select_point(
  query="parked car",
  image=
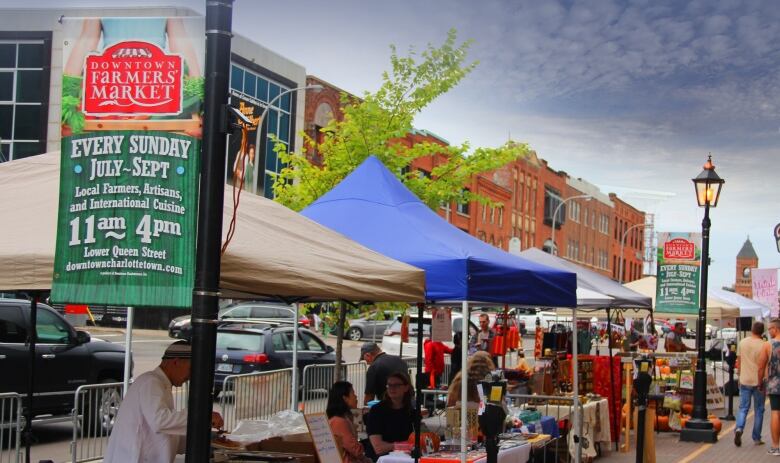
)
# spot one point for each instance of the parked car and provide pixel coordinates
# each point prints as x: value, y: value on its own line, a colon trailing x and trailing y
x: 181, y: 327
x: 371, y: 326
x: 65, y: 359
x: 250, y: 347
x: 391, y: 341
x: 727, y: 334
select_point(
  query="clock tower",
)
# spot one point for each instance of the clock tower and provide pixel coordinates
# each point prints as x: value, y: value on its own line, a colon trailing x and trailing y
x: 746, y: 259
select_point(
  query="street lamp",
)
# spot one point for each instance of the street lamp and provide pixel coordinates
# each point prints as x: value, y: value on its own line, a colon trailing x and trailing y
x: 622, y: 246
x: 699, y: 428
x: 554, y: 248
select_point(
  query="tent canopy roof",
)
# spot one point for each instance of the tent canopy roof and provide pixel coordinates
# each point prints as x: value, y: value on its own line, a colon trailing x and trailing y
x: 588, y: 279
x: 716, y: 308
x: 747, y: 307
x: 275, y: 252
x: 374, y: 208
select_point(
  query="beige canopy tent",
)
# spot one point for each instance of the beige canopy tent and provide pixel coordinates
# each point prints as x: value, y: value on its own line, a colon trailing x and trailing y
x: 274, y: 252
x: 716, y: 308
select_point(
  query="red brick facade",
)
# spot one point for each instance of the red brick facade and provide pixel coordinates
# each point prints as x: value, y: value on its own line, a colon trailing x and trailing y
x: 626, y: 217
x: 523, y: 196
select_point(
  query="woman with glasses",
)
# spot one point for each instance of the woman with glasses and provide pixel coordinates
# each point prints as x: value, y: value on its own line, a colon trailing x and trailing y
x: 341, y: 401
x: 391, y: 420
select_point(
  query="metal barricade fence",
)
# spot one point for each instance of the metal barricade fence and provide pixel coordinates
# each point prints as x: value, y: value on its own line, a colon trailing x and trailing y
x: 560, y: 408
x: 10, y: 427
x: 317, y: 380
x: 257, y: 395
x: 94, y: 410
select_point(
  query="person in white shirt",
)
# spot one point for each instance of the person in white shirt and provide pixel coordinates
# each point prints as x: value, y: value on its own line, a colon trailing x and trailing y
x: 147, y: 427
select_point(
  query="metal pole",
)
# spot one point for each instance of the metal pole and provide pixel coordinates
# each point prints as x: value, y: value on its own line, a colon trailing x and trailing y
x: 128, y: 349
x: 622, y: 246
x: 699, y: 428
x: 419, y: 381
x: 553, y: 251
x: 464, y: 354
x: 32, y: 337
x: 205, y: 299
x: 294, y: 386
x: 577, y: 422
x: 612, y: 412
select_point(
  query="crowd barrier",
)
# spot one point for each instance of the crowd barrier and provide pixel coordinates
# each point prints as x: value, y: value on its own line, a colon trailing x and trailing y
x: 94, y: 411
x: 317, y: 380
x: 257, y: 395
x: 11, y: 423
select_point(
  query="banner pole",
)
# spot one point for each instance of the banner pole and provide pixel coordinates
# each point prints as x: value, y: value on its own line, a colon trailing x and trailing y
x: 128, y: 349
x: 205, y: 299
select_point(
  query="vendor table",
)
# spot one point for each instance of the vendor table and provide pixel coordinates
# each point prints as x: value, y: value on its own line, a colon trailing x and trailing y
x: 595, y: 423
x: 518, y: 454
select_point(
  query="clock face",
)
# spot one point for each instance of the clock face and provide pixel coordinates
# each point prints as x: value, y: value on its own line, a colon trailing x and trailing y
x: 746, y: 272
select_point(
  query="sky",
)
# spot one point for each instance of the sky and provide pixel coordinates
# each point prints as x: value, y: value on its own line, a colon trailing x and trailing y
x: 628, y: 95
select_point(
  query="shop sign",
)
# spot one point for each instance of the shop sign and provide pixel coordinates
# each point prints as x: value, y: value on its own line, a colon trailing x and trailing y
x: 130, y: 158
x: 679, y: 269
x: 764, y: 282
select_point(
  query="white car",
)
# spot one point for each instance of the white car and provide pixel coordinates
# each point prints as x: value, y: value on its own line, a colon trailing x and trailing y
x: 391, y: 341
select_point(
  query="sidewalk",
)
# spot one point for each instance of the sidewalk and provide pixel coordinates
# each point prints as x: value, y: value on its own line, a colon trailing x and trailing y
x: 669, y: 449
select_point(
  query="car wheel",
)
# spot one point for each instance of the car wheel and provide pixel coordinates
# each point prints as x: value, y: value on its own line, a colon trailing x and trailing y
x: 99, y: 409
x: 354, y: 334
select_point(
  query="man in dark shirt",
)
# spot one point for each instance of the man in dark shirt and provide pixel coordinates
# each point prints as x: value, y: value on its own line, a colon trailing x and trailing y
x: 380, y: 366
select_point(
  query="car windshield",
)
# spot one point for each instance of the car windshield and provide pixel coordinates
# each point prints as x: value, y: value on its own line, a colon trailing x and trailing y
x: 229, y: 340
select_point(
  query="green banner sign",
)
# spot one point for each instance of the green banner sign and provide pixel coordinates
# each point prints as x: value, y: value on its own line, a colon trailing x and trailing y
x: 130, y: 162
x: 679, y: 269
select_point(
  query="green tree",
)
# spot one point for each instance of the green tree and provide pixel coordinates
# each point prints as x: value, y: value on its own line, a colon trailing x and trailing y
x: 376, y: 123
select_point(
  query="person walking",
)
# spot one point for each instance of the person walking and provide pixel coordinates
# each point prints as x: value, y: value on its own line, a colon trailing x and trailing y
x: 769, y: 381
x: 380, y: 366
x: 434, y: 361
x: 748, y: 353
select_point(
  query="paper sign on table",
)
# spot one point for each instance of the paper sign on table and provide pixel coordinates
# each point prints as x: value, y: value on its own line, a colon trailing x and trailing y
x: 322, y: 437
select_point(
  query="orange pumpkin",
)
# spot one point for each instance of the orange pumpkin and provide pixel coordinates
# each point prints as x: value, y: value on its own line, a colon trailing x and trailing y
x: 684, y: 419
x: 662, y: 423
x: 716, y: 423
x: 687, y: 408
x: 666, y: 370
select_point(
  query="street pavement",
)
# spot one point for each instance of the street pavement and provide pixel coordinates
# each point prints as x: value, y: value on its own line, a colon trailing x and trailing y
x: 669, y: 449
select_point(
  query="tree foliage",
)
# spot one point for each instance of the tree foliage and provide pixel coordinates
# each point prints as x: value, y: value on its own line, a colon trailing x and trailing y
x: 376, y: 124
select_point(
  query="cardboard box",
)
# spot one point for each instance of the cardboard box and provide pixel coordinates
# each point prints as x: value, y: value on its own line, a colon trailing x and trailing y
x: 293, y: 443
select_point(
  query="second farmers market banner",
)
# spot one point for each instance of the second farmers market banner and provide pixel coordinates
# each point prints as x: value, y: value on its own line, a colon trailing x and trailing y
x: 132, y: 98
x: 679, y: 269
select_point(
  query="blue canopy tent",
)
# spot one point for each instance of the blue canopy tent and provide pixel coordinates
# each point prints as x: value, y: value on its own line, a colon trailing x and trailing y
x: 372, y: 207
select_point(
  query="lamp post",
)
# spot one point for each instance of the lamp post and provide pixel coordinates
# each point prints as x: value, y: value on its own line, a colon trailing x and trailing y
x: 555, y: 215
x: 622, y: 247
x: 699, y: 428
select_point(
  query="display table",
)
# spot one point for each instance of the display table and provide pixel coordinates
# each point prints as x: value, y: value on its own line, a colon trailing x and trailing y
x: 517, y: 454
x: 595, y: 423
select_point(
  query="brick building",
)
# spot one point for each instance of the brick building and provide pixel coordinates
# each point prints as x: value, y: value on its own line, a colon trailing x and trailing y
x: 587, y: 226
x: 746, y: 260
x: 628, y: 223
x: 552, y: 192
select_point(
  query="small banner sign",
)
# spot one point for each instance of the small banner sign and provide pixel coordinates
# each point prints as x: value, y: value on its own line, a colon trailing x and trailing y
x: 765, y: 288
x: 131, y: 129
x: 679, y: 269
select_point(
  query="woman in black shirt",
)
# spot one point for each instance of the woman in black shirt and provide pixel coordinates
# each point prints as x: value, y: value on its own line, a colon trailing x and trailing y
x: 391, y: 420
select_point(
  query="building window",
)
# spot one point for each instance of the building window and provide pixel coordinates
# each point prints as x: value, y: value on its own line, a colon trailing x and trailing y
x: 484, y: 213
x: 258, y: 90
x: 500, y: 216
x: 492, y: 214
x: 463, y: 208
x: 25, y: 59
x: 574, y: 211
x: 552, y: 200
